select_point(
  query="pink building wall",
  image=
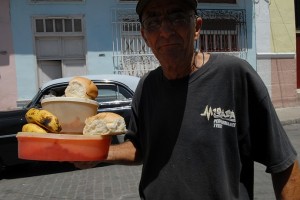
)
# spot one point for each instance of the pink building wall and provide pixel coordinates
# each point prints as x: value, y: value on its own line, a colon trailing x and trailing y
x: 8, y: 82
x: 284, y: 87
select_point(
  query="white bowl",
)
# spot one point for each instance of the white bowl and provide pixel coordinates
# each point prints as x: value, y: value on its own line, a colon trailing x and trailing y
x: 71, y: 112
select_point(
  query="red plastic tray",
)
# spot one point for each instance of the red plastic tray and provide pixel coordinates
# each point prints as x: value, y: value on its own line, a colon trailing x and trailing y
x: 62, y: 147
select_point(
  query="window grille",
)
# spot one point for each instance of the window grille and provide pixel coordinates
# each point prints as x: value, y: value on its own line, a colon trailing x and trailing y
x: 223, y: 31
x: 131, y: 55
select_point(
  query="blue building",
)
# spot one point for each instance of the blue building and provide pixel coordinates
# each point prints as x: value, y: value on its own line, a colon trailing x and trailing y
x: 60, y: 38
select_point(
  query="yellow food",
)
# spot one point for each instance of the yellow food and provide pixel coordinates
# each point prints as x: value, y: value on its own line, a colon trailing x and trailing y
x: 34, y: 128
x: 43, y: 118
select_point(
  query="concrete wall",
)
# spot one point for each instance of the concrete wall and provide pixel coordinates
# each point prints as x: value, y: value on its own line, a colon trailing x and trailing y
x: 263, y: 42
x: 283, y: 41
x: 284, y: 90
x: 283, y: 31
x: 8, y: 85
x: 276, y: 63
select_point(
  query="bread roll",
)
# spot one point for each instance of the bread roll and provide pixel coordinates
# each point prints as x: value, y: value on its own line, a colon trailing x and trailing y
x: 106, y: 123
x: 81, y: 87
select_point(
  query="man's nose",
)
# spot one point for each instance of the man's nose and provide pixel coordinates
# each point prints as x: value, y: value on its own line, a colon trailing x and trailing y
x: 166, y: 27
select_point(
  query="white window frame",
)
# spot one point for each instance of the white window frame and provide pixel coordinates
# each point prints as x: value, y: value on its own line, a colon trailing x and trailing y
x: 72, y: 33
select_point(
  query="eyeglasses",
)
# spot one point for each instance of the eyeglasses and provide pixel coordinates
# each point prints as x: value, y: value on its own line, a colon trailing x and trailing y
x: 177, y: 19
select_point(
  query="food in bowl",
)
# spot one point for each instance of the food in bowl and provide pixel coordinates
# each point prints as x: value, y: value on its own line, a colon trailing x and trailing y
x: 39, y: 119
x: 71, y: 112
x: 81, y: 87
x: 77, y: 104
x: 106, y: 123
x: 33, y: 128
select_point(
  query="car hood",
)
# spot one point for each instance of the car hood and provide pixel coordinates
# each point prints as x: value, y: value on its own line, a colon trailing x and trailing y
x: 10, y: 113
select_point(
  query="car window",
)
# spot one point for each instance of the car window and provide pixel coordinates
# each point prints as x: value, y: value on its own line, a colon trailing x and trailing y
x: 111, y: 92
x: 106, y: 93
x: 55, y: 91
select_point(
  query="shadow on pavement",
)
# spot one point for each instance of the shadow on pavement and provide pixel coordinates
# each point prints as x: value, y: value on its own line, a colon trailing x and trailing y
x: 37, y: 168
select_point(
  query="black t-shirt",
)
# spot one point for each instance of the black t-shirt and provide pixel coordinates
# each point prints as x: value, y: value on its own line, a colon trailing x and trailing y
x: 199, y: 135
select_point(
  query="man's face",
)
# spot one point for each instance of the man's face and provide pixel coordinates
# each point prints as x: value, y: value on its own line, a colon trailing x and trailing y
x: 170, y: 29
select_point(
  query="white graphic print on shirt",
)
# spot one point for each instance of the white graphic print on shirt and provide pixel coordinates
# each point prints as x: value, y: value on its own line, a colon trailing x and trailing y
x: 220, y: 116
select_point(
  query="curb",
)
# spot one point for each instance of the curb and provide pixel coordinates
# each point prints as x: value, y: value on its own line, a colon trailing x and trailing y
x: 291, y: 121
x: 289, y: 115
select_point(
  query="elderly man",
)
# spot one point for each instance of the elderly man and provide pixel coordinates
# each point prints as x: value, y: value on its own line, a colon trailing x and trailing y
x: 201, y: 120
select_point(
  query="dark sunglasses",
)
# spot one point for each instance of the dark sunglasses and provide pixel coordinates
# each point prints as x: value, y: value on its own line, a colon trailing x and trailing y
x: 177, y: 19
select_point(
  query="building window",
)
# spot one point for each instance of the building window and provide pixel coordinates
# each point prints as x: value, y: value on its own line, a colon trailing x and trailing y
x: 58, y: 25
x: 223, y: 31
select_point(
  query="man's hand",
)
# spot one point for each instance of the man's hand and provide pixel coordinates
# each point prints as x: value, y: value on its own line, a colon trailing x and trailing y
x: 287, y: 183
x: 124, y: 153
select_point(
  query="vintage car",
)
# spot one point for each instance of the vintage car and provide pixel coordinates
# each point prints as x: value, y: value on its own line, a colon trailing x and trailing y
x: 114, y: 95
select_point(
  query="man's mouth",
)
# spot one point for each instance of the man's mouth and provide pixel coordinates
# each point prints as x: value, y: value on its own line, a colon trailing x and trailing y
x: 168, y: 45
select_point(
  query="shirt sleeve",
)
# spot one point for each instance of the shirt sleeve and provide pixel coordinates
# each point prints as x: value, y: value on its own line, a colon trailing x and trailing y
x: 268, y: 142
x: 271, y: 145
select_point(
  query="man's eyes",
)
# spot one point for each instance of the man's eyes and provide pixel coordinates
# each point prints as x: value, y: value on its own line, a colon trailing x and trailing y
x: 153, y: 21
x: 177, y: 16
x: 173, y: 16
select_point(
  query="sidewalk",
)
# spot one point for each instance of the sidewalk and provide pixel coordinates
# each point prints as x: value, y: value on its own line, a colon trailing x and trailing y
x: 289, y: 115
